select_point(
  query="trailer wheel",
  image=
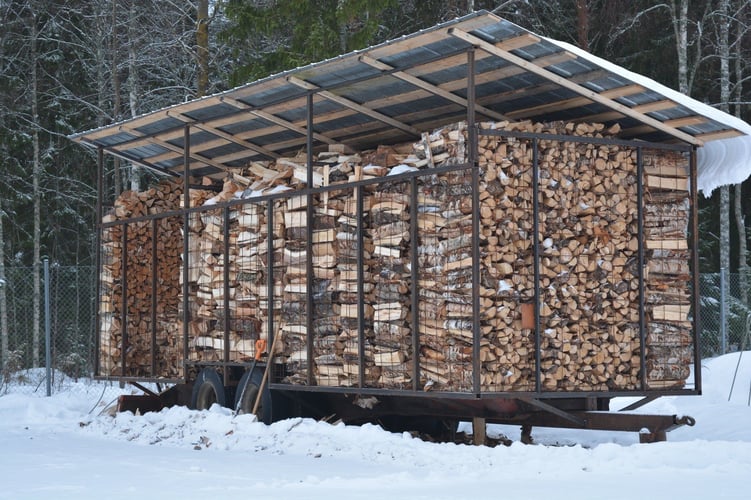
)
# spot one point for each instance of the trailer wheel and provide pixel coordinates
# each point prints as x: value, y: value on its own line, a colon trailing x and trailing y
x: 207, y: 390
x: 247, y: 392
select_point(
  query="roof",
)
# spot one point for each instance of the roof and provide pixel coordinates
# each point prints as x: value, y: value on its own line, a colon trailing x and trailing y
x: 394, y: 91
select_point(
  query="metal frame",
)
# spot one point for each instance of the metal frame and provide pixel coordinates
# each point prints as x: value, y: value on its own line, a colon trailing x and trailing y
x: 411, y: 178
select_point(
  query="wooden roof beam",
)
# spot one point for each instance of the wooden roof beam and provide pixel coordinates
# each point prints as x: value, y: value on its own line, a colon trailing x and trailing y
x: 178, y: 149
x: 353, y: 105
x: 227, y: 137
x: 417, y: 82
x: 278, y: 121
x: 563, y: 82
x: 575, y: 102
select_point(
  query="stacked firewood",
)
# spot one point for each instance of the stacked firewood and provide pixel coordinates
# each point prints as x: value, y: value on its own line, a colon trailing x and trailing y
x: 134, y: 328
x: 586, y: 270
x: 392, y: 344
x: 669, y: 350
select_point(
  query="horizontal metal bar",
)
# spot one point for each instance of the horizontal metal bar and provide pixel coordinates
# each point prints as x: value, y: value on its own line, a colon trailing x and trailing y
x: 469, y: 395
x: 292, y: 194
x: 585, y: 140
x: 555, y: 411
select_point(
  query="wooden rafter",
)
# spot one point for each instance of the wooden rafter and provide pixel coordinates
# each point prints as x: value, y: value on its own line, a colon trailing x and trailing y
x: 563, y: 82
x: 418, y: 82
x: 353, y: 105
x: 227, y: 137
x: 278, y: 121
x: 176, y: 149
x: 575, y: 102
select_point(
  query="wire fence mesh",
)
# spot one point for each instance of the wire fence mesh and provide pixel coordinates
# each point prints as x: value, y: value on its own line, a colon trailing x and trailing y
x: 725, y: 321
x: 71, y: 326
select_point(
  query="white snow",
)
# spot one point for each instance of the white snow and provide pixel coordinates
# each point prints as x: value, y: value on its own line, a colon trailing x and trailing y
x: 719, y: 161
x: 64, y: 447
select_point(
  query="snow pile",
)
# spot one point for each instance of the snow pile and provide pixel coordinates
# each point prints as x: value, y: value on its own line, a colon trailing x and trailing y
x: 67, y: 447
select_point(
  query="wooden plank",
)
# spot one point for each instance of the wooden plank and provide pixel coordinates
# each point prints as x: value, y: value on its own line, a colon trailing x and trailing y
x: 681, y: 244
x: 563, y: 82
x: 671, y: 183
x: 686, y: 121
x: 722, y: 134
x: 278, y: 121
x: 660, y: 105
x: 417, y: 82
x: 353, y: 105
x: 671, y: 312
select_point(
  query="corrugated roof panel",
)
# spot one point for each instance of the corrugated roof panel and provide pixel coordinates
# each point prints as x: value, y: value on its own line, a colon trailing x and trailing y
x: 114, y: 139
x: 266, y: 95
x: 300, y: 113
x: 436, y: 56
x: 159, y: 125
x: 211, y: 112
x: 146, y: 151
x: 222, y: 150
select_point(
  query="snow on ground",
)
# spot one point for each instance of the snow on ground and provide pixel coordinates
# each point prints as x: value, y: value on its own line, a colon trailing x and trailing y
x: 67, y: 447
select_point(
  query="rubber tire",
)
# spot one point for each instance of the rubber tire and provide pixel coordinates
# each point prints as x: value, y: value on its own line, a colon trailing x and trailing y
x: 207, y: 390
x: 245, y: 398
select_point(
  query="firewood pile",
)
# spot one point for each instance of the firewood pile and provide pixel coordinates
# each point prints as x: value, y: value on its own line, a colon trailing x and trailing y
x: 587, y: 274
x: 142, y: 239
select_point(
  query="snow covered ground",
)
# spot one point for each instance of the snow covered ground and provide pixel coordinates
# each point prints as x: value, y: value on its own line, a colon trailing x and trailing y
x: 65, y: 447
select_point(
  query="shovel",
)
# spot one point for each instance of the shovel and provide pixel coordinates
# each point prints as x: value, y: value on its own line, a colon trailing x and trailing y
x: 260, y: 347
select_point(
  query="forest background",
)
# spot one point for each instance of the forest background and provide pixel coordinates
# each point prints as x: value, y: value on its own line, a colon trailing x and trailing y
x: 68, y: 66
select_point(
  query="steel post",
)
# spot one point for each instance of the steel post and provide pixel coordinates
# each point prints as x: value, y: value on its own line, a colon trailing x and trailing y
x: 47, y: 330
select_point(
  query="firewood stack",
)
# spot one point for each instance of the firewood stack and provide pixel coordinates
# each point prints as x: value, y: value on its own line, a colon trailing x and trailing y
x: 588, y: 267
x: 392, y: 345
x: 140, y: 265
x: 347, y: 251
x: 667, y: 275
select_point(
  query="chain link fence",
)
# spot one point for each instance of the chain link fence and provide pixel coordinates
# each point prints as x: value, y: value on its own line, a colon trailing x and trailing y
x: 725, y: 322
x: 725, y: 313
x: 68, y: 294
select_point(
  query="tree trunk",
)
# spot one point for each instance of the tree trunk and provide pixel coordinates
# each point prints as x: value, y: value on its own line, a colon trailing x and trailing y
x: 116, y: 89
x: 582, y: 24
x: 133, y: 82
x: 202, y: 49
x: 740, y: 221
x: 680, y: 26
x: 36, y: 174
x: 724, y: 53
x: 3, y: 298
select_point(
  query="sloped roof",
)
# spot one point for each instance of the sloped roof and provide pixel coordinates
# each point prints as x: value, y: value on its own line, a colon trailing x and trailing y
x: 392, y: 92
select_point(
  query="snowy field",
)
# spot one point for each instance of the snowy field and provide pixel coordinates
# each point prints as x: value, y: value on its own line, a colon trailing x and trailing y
x: 67, y: 447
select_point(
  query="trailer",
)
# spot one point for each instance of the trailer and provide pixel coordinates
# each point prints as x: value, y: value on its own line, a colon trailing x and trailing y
x: 468, y: 223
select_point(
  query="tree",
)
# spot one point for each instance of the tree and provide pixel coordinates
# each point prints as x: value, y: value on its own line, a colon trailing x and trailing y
x: 269, y: 37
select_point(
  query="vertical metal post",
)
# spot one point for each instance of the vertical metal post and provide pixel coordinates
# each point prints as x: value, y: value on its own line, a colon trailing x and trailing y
x: 47, y: 331
x: 360, y: 291
x: 309, y: 287
x: 271, y: 300
x: 695, y: 266
x: 225, y: 291
x: 641, y: 257
x: 415, y: 285
x: 536, y: 266
x: 186, y: 247
x: 154, y: 302
x: 124, y: 297
x: 98, y: 256
x: 723, y: 311
x: 475, y: 170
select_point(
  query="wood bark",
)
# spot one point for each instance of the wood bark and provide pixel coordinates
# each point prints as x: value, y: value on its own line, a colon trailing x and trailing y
x: 588, y: 266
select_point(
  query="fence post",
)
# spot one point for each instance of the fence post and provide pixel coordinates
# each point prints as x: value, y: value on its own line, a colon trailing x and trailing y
x: 723, y: 311
x: 47, y: 339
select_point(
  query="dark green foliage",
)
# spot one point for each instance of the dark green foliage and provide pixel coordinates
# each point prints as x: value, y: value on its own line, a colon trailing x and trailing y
x: 269, y: 37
